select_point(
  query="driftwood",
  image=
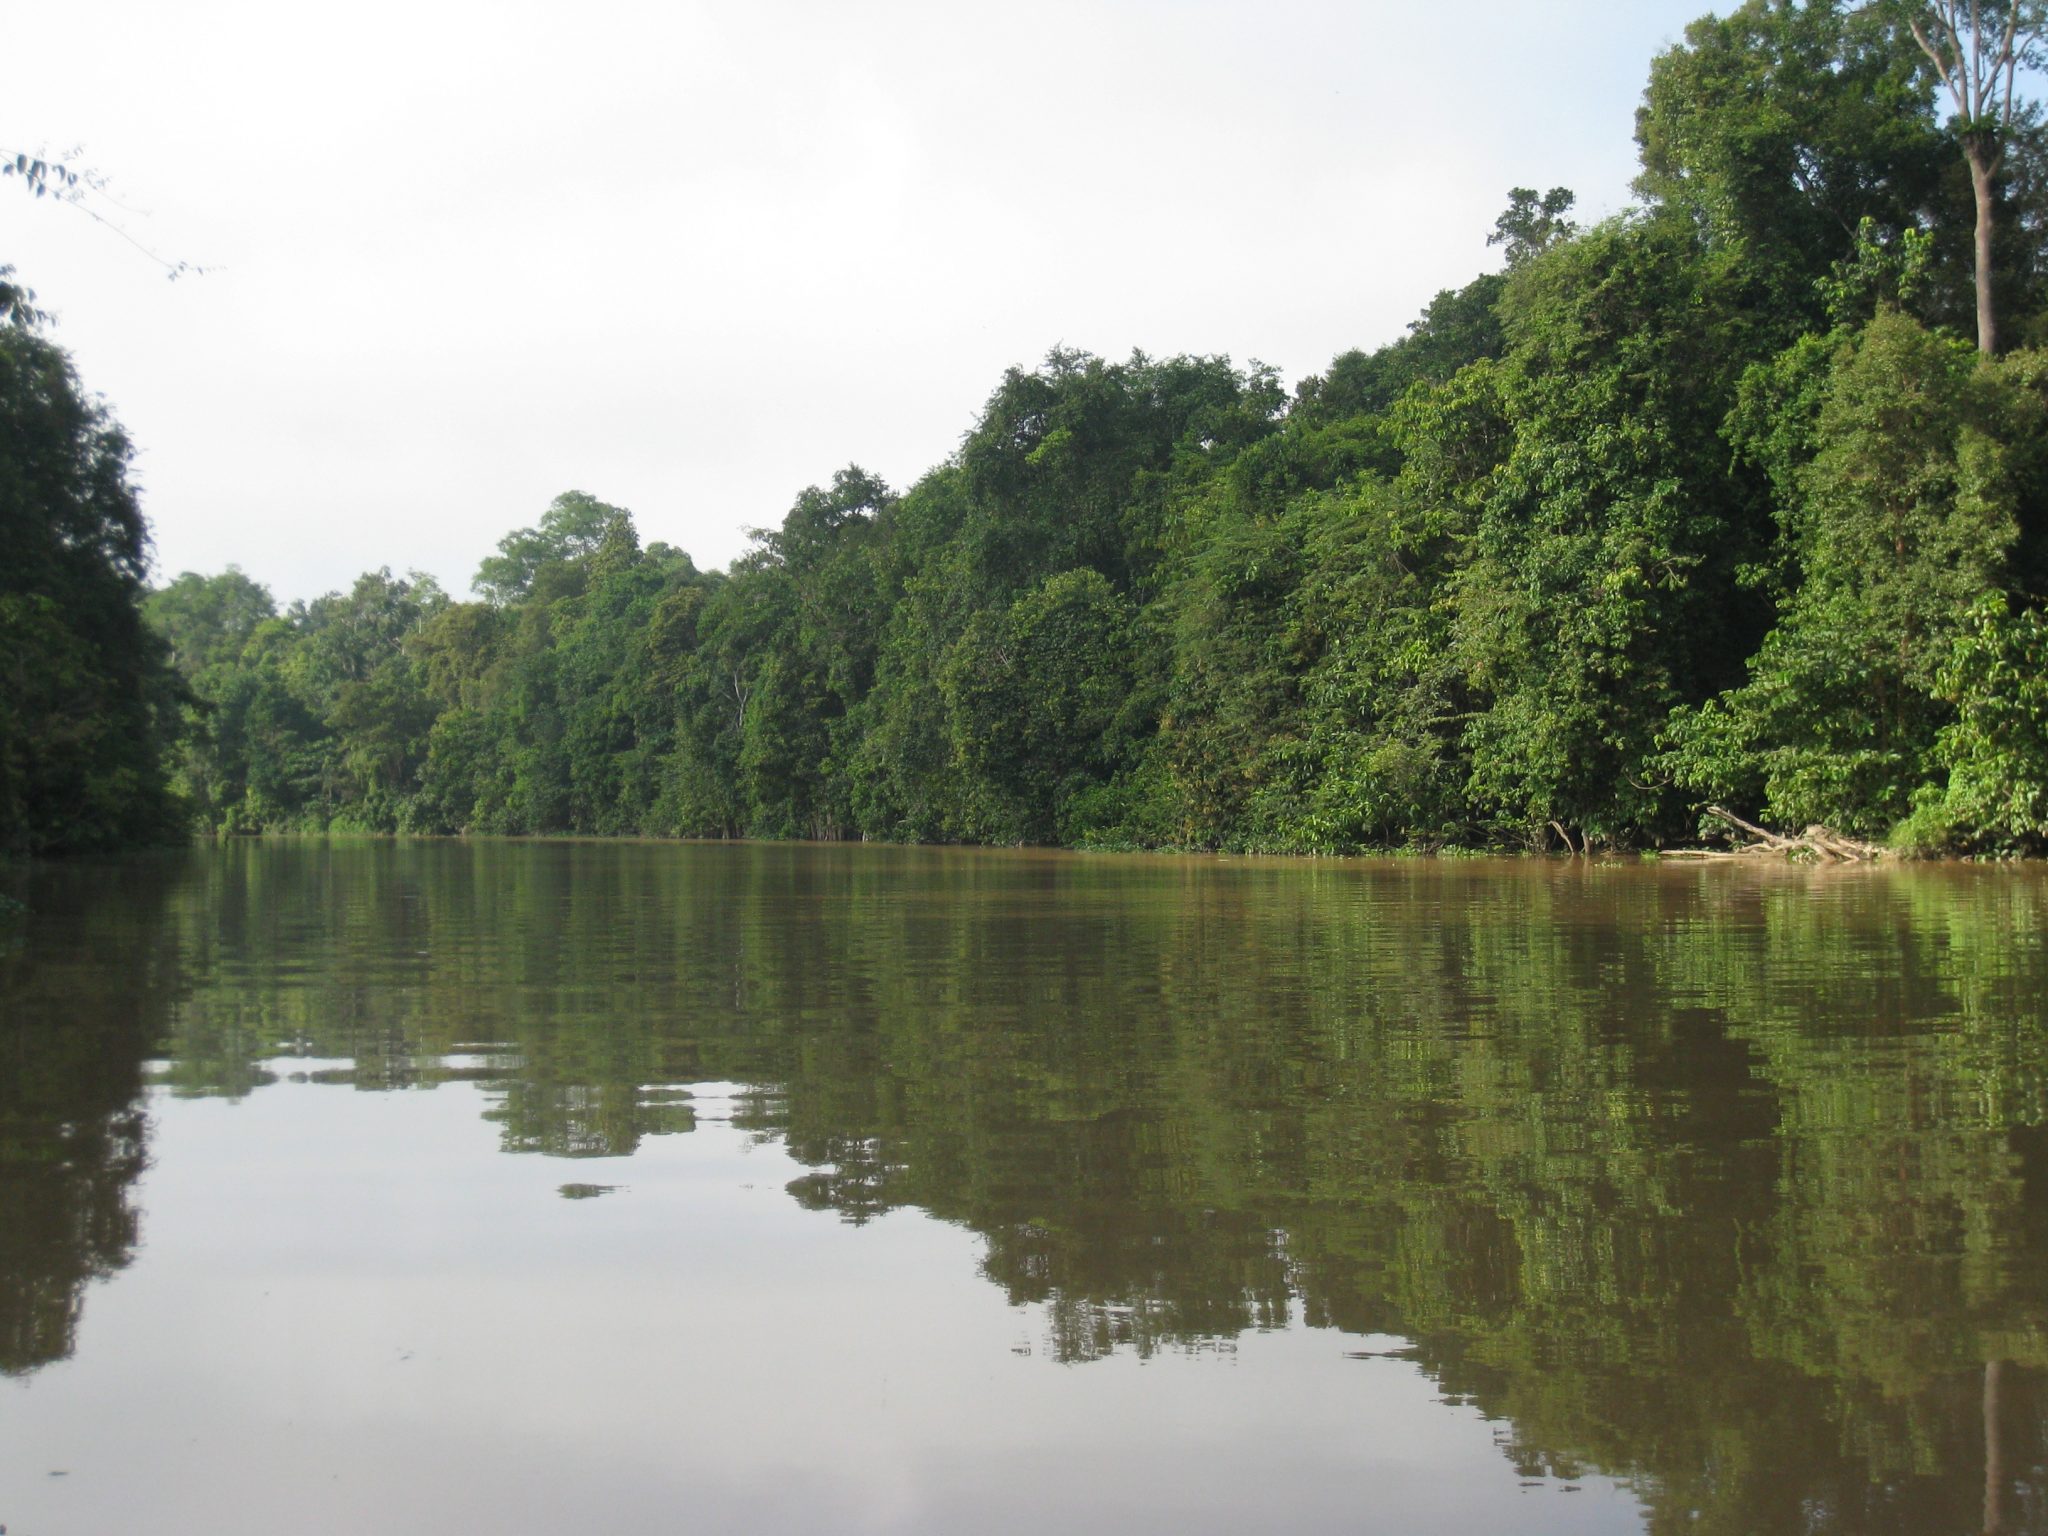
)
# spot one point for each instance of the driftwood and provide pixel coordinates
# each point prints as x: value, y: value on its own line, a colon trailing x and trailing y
x: 1816, y: 842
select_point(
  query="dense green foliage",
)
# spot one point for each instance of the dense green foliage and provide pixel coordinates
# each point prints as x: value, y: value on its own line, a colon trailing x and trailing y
x: 86, y: 702
x: 1689, y: 506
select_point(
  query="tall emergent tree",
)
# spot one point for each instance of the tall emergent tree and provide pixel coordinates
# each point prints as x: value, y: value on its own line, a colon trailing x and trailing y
x: 1977, y: 48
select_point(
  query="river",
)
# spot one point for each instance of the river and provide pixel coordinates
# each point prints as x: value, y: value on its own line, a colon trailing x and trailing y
x: 545, y: 1186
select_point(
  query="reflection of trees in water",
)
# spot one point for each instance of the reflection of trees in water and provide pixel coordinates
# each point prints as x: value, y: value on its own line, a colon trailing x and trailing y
x: 1724, y: 1183
x: 64, y: 1219
x: 84, y: 986
x: 584, y: 1120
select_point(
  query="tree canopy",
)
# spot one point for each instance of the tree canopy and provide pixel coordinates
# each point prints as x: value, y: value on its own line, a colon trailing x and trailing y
x: 87, y: 704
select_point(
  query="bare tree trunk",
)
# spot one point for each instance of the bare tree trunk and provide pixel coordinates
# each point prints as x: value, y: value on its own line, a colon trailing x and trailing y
x: 1983, y: 174
x: 1976, y: 50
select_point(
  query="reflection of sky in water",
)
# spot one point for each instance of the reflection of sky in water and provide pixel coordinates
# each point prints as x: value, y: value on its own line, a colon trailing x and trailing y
x: 351, y: 1313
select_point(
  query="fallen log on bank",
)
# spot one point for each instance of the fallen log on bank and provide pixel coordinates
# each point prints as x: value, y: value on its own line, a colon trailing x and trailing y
x: 1819, y: 843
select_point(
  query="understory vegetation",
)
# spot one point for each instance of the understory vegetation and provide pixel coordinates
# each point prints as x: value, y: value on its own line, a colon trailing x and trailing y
x: 1735, y: 498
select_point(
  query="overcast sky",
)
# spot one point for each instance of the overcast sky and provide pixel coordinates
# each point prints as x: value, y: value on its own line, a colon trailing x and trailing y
x: 694, y: 257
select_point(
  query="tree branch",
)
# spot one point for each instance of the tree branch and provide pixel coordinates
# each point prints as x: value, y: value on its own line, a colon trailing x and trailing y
x: 1940, y: 67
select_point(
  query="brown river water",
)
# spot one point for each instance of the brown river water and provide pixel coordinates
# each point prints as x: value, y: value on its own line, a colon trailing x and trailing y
x: 516, y: 1187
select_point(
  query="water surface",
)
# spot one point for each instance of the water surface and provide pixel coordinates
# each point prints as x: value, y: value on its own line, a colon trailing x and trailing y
x: 535, y: 1186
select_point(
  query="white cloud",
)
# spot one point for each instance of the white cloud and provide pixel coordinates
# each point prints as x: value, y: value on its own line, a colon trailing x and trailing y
x: 691, y: 258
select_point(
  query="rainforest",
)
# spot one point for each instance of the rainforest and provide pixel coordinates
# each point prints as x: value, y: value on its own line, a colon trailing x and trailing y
x: 1739, y: 497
